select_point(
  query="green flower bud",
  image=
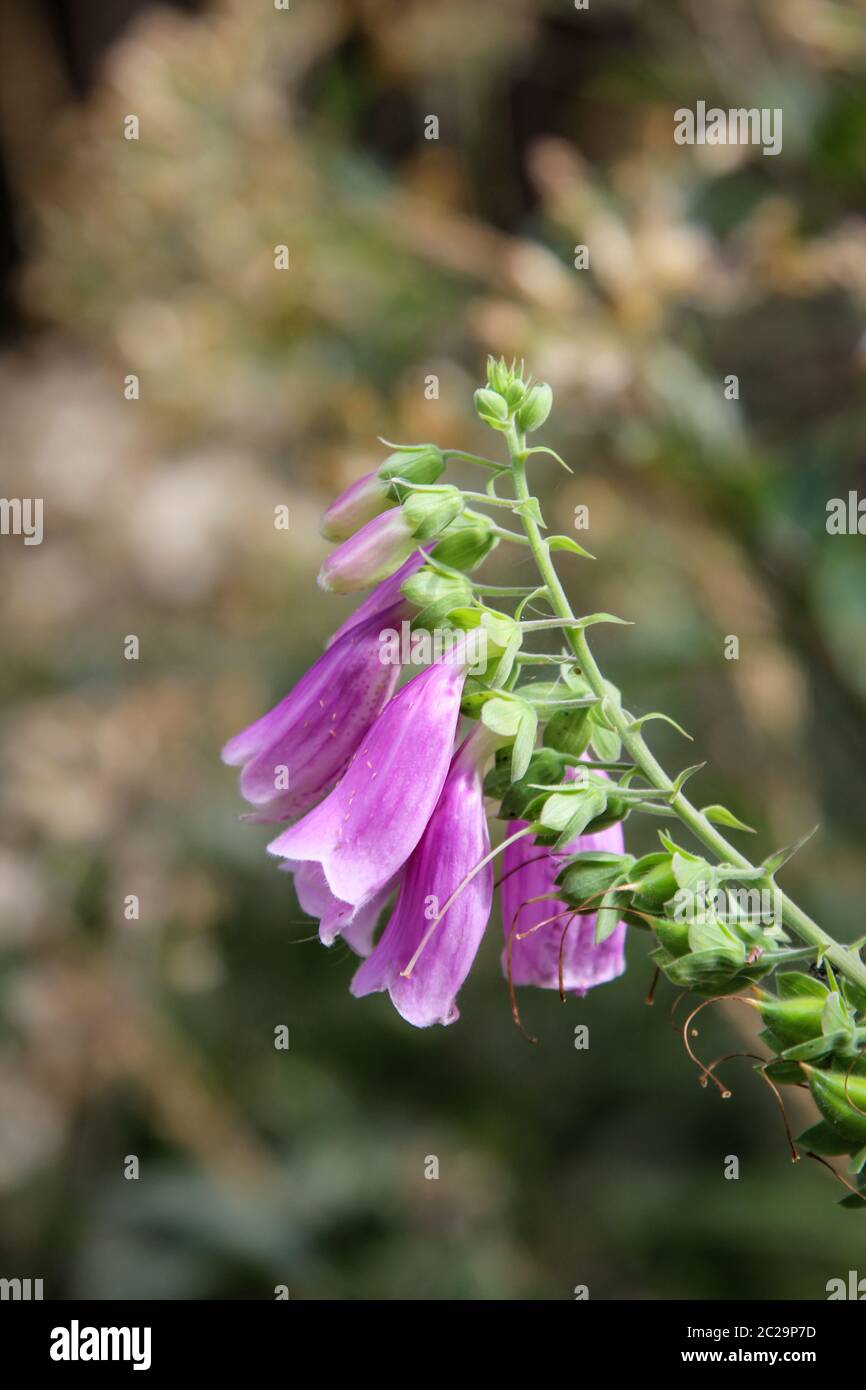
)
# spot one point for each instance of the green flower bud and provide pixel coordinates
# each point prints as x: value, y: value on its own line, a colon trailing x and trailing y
x: 514, y: 392
x: 823, y: 1138
x: 422, y: 463
x: 569, y: 731
x: 655, y: 881
x: 428, y: 513
x: 707, y: 972
x: 434, y: 594
x: 587, y: 876
x: 535, y: 407
x: 498, y: 374
x: 359, y: 503
x: 546, y: 768
x: 616, y: 809
x: 791, y: 1021
x: 673, y: 936
x: 491, y: 408
x: 466, y: 542
x: 839, y: 1101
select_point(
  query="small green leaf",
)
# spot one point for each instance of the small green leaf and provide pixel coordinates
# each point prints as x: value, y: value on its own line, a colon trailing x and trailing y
x: 566, y: 543
x: 775, y: 861
x: 531, y: 509
x: 720, y: 815
x: 824, y: 1139
x: 644, y: 718
x: 682, y: 777
x: 592, y: 618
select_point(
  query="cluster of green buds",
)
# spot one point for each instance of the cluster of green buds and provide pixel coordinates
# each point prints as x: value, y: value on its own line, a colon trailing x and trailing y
x: 508, y: 399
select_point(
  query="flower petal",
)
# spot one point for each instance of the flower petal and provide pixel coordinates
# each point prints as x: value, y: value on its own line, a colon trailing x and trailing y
x: 454, y: 842
x: 529, y: 901
x: 365, y: 830
x: 309, y: 737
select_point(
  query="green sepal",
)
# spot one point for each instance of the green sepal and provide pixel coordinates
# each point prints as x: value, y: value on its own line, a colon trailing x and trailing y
x: 415, y: 463
x: 610, y: 914
x: 466, y: 542
x: 605, y: 741
x: 503, y: 636
x: 534, y: 408
x: 492, y: 408
x: 589, y: 874
x: 816, y: 1048
x: 545, y: 767
x: 429, y: 513
x: 569, y: 812
x: 689, y: 870
x: 828, y: 1092
x: 654, y: 880
x: 855, y: 995
x: 795, y: 984
x: 507, y: 715
x: 616, y: 810
x: 435, y: 595
x: 673, y: 937
x: 783, y: 1073
x: 569, y: 731
x: 825, y: 1139
x: 714, y: 936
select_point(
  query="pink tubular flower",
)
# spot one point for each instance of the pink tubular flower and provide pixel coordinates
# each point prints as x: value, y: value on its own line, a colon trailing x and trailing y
x: 355, y: 506
x: 309, y: 737
x: 454, y: 842
x: 365, y: 830
x: 528, y: 871
x: 355, y: 926
x: 370, y: 555
x: 383, y: 597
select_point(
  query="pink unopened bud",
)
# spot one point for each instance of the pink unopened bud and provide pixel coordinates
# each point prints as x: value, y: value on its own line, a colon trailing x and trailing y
x: 359, y: 503
x: 370, y: 555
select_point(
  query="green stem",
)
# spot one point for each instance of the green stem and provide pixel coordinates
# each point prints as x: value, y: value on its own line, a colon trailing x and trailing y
x: 703, y: 829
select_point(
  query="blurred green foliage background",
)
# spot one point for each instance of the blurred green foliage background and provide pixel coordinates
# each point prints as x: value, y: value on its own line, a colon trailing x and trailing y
x: 410, y: 257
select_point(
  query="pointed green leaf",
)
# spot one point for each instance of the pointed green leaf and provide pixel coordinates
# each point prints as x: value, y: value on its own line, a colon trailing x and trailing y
x: 645, y: 718
x: 824, y: 1139
x: 720, y: 815
x: 566, y: 543
x: 775, y: 861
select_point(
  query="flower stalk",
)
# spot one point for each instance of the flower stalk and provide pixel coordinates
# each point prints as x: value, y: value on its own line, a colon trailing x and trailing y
x: 793, y: 916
